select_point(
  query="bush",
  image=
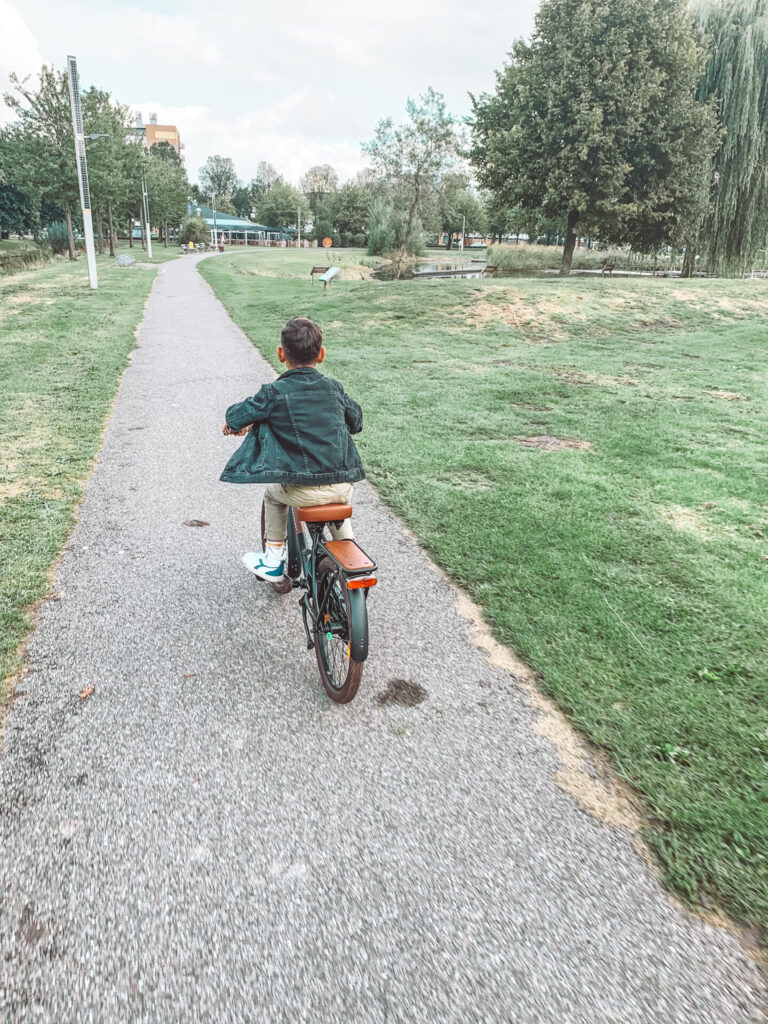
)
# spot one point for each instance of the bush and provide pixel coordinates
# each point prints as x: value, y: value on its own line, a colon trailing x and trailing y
x: 194, y: 229
x: 531, y: 259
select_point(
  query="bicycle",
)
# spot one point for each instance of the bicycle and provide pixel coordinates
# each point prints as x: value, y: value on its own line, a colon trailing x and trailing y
x: 335, y: 576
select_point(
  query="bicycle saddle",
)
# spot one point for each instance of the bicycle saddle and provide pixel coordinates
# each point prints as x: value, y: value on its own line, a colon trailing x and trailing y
x: 323, y: 513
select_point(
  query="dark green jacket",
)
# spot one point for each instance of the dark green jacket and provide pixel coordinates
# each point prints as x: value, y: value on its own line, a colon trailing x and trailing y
x: 302, y: 424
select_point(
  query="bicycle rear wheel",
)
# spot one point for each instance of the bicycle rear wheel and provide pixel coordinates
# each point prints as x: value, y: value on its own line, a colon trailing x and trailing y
x: 340, y: 629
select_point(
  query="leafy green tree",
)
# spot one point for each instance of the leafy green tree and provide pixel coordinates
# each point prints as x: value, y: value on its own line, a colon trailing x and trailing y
x: 15, y: 211
x: 168, y: 188
x: 735, y: 225
x: 241, y: 201
x: 40, y: 147
x: 279, y: 206
x: 408, y: 160
x: 318, y: 183
x: 458, y: 205
x: 344, y: 214
x: 218, y: 177
x: 194, y: 229
x: 164, y: 151
x: 595, y: 122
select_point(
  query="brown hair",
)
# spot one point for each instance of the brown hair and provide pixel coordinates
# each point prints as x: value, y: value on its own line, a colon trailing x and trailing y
x: 302, y: 340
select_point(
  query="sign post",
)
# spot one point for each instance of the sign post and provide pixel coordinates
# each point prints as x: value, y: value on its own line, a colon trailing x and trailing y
x: 82, y: 168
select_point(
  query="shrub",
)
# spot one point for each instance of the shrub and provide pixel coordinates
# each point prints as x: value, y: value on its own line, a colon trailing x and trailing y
x: 194, y: 229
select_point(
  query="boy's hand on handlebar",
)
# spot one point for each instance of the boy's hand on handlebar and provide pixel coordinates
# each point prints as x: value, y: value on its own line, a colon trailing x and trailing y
x: 235, y: 433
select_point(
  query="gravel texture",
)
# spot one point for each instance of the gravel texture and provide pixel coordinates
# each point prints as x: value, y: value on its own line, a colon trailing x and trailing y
x: 206, y: 838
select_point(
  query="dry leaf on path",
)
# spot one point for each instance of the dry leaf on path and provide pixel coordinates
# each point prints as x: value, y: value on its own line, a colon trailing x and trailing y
x: 86, y: 692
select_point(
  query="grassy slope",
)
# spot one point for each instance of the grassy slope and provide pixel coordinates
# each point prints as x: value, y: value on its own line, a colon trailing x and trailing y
x: 62, y: 350
x: 632, y: 576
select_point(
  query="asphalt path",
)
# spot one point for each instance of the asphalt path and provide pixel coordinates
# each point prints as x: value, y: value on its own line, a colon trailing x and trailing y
x: 206, y: 838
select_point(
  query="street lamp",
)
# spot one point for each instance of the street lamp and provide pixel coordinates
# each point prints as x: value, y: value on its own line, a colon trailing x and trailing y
x: 213, y: 207
x: 82, y: 168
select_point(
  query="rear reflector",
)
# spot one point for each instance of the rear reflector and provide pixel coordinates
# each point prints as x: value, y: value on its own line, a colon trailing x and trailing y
x: 366, y: 581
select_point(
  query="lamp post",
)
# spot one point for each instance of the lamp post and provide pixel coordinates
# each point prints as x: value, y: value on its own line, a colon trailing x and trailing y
x: 145, y: 200
x: 82, y: 168
x: 213, y: 207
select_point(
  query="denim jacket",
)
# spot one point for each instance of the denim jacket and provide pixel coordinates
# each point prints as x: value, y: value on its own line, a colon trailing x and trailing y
x: 300, y: 434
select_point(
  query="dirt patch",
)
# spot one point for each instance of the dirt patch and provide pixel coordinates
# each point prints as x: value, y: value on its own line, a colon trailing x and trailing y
x: 574, y: 376
x: 547, y: 443
x: 584, y: 775
x: 11, y: 491
x: 513, y: 312
x: 728, y: 396
x: 402, y: 692
x: 687, y: 520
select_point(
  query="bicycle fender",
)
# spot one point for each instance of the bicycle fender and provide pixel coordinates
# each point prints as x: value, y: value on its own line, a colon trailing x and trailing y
x: 358, y: 615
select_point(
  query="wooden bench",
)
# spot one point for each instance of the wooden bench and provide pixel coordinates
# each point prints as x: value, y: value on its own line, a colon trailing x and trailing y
x: 490, y: 268
x: 608, y: 268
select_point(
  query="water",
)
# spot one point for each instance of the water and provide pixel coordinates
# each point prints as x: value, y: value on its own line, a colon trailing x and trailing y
x: 430, y: 269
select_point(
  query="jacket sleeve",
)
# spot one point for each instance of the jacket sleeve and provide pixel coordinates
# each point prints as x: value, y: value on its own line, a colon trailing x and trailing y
x: 252, y: 410
x: 353, y: 415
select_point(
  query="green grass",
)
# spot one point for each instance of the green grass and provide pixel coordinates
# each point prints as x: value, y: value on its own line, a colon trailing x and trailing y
x: 62, y: 350
x: 632, y: 575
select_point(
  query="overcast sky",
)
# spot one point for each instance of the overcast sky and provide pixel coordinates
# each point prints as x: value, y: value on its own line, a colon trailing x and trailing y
x: 295, y: 83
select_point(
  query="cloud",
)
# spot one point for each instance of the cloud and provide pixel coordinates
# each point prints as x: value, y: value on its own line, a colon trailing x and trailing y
x: 295, y: 84
x: 19, y: 52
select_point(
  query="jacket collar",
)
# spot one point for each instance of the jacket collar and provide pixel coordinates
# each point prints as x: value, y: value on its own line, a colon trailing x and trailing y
x: 301, y: 371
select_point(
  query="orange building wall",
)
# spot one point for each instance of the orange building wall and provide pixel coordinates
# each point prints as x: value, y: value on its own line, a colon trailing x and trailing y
x: 163, y: 133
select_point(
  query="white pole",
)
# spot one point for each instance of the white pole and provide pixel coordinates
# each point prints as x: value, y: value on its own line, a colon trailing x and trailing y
x: 82, y: 169
x: 299, y: 238
x: 146, y: 216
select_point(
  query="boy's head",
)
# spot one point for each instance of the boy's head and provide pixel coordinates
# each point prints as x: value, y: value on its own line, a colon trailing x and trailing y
x: 301, y: 343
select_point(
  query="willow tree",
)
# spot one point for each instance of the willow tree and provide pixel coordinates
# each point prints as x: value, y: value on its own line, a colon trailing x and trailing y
x: 594, y: 122
x: 735, y: 226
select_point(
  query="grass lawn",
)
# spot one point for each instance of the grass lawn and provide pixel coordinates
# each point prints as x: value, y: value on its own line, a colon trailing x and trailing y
x: 587, y: 459
x: 62, y: 350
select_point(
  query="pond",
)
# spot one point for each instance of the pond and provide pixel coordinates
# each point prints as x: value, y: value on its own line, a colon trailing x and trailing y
x: 431, y: 269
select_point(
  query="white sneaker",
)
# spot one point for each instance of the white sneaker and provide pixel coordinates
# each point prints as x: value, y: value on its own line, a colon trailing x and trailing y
x: 266, y: 565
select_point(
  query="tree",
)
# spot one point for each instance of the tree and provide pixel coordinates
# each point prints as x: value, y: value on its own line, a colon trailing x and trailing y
x: 408, y: 160
x: 735, y: 225
x: 318, y: 182
x: 595, y: 122
x: 279, y: 206
x: 241, y: 201
x: 459, y: 206
x: 168, y: 188
x: 218, y: 177
x: 40, y: 147
x: 15, y: 212
x: 194, y: 229
x: 164, y: 151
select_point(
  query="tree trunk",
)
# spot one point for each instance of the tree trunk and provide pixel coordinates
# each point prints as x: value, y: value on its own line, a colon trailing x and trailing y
x: 111, y: 230
x: 689, y: 262
x: 449, y: 243
x: 99, y: 233
x: 70, y: 234
x: 570, y: 243
x: 130, y: 232
x: 143, y: 226
x: 165, y: 234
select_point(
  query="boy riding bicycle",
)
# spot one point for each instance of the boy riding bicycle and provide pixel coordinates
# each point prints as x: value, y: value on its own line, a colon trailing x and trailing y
x: 298, y: 442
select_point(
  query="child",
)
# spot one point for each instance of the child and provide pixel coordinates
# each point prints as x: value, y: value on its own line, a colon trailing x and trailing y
x: 297, y: 442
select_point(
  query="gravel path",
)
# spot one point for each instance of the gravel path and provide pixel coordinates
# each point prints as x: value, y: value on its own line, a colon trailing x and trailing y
x: 206, y: 838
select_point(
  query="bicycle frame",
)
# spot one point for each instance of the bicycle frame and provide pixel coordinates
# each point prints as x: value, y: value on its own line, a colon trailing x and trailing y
x: 302, y: 562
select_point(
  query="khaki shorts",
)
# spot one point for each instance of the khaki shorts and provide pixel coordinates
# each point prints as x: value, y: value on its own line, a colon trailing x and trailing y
x: 277, y: 499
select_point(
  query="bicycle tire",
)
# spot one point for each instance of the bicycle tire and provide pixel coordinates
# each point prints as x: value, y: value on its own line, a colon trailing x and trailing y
x: 285, y: 586
x: 340, y: 673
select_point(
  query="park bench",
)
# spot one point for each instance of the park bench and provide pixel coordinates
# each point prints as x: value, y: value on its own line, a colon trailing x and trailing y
x: 490, y: 268
x: 608, y: 268
x: 328, y: 276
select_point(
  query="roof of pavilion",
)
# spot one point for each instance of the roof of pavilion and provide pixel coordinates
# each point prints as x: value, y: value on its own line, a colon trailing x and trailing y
x: 224, y: 221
